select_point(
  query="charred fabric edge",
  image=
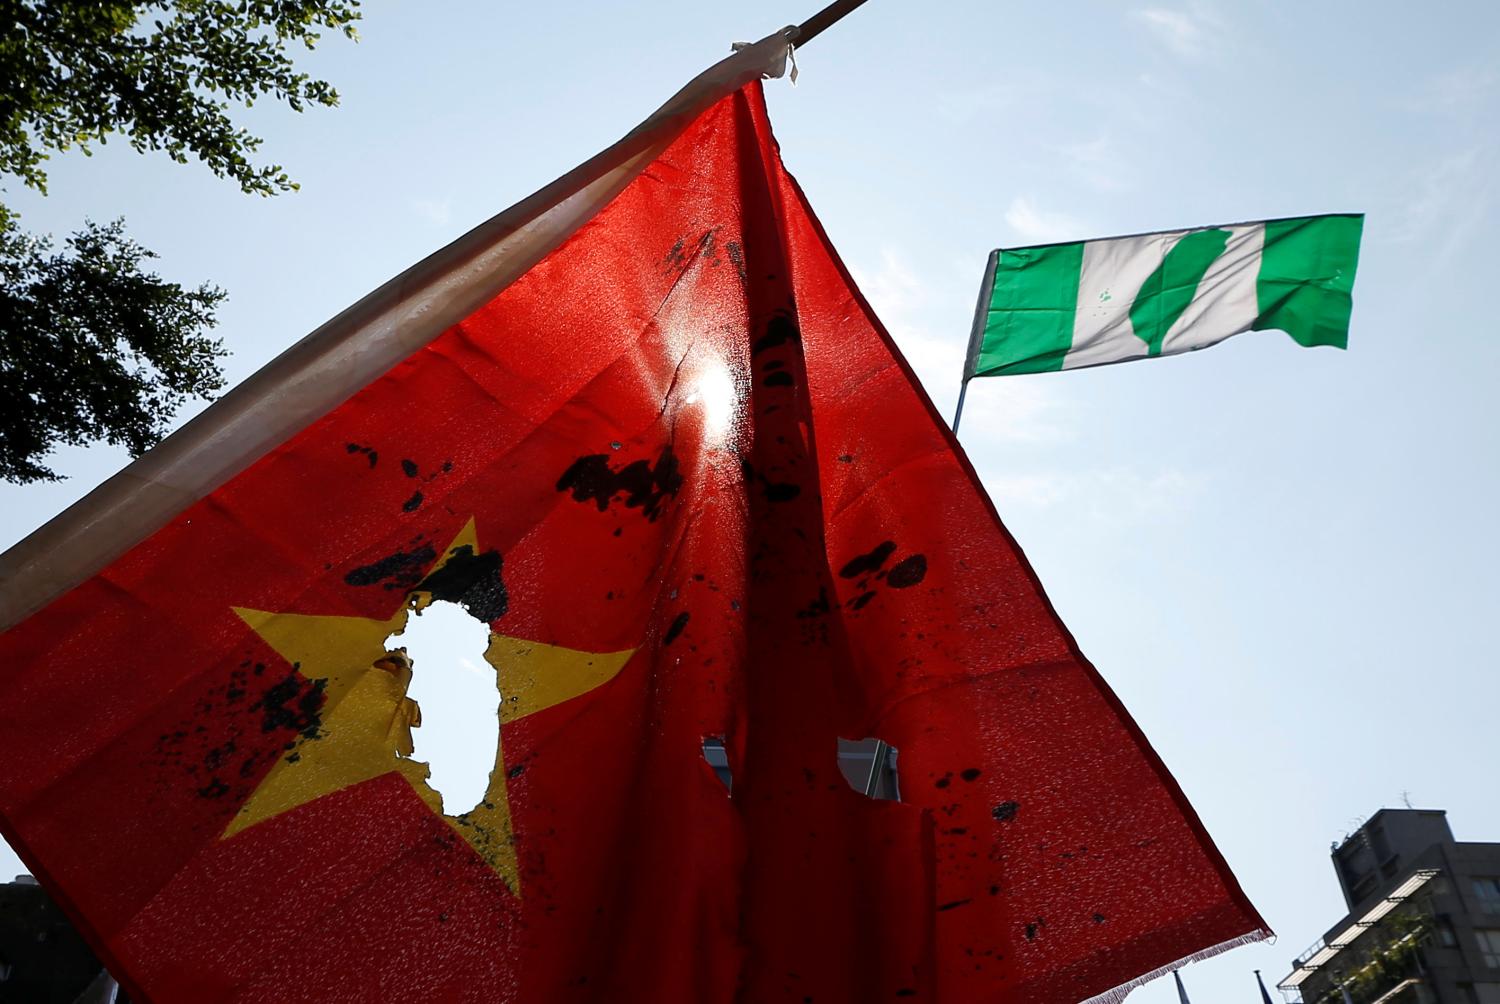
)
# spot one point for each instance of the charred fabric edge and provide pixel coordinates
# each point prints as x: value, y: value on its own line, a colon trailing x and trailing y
x: 342, y: 356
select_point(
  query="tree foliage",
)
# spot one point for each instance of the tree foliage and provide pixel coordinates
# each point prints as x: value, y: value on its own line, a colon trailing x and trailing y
x: 162, y: 74
x: 92, y: 345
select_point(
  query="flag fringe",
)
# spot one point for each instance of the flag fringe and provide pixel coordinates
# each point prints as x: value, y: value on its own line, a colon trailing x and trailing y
x: 1118, y: 994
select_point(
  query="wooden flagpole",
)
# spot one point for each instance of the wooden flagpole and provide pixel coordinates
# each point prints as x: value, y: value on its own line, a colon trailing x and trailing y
x: 824, y: 19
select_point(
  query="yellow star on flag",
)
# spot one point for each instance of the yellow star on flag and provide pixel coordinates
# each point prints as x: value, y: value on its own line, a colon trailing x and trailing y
x: 366, y: 718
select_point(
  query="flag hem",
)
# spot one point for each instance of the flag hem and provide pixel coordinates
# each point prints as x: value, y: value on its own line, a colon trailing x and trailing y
x: 1118, y: 994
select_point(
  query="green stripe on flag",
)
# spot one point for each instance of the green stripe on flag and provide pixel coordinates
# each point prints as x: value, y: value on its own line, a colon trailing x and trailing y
x: 1029, y: 328
x: 1167, y: 292
x: 1306, y: 278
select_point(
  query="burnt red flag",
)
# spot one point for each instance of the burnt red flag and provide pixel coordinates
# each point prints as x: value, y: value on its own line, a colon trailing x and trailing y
x: 688, y: 481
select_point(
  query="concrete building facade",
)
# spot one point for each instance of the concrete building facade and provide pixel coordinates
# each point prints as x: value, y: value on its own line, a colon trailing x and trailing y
x: 1423, y: 921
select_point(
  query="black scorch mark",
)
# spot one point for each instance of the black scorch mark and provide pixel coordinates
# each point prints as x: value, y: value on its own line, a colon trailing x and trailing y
x: 775, y: 491
x: 737, y: 256
x: 908, y: 572
x: 413, y: 503
x: 779, y: 331
x: 678, y: 624
x: 1005, y: 811
x: 679, y: 257
x: 864, y: 564
x: 409, y: 468
x: 780, y: 491
x: 292, y: 704
x: 215, y: 788
x: 398, y: 570
x: 369, y: 452
x: 643, y: 486
x: 473, y: 581
x: 817, y: 608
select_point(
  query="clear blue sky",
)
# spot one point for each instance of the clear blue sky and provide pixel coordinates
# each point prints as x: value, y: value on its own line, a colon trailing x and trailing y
x: 1283, y: 560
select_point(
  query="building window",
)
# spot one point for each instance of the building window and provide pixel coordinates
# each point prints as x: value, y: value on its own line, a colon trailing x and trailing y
x: 1489, y: 946
x: 1487, y: 891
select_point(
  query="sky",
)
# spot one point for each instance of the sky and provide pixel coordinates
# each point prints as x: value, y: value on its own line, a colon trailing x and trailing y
x: 1281, y: 559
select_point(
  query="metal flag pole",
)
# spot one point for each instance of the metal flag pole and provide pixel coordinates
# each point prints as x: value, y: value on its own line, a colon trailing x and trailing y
x: 976, y: 332
x: 958, y: 413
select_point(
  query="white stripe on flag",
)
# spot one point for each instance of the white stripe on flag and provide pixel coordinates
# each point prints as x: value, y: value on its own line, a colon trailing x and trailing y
x: 1226, y: 295
x: 1112, y: 274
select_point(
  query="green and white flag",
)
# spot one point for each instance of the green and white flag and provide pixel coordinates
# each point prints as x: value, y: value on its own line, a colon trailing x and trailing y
x: 1066, y: 306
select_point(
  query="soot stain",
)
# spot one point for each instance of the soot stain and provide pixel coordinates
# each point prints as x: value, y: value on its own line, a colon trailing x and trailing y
x: 737, y: 256
x: 222, y: 762
x: 678, y: 624
x: 970, y: 773
x: 215, y: 788
x: 675, y: 258
x: 473, y: 581
x: 369, y: 452
x: 818, y: 607
x: 413, y: 503
x: 409, y: 468
x: 781, y: 491
x: 289, y: 704
x: 643, y: 486
x: 1005, y: 811
x: 779, y: 331
x: 908, y: 572
x: 858, y: 603
x: 869, y: 562
x: 397, y: 570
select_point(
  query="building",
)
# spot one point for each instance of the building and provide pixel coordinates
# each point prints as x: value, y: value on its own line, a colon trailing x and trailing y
x: 43, y: 960
x: 1423, y: 925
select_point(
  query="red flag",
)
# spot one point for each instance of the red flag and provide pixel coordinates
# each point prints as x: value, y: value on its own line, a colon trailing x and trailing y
x: 694, y: 490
